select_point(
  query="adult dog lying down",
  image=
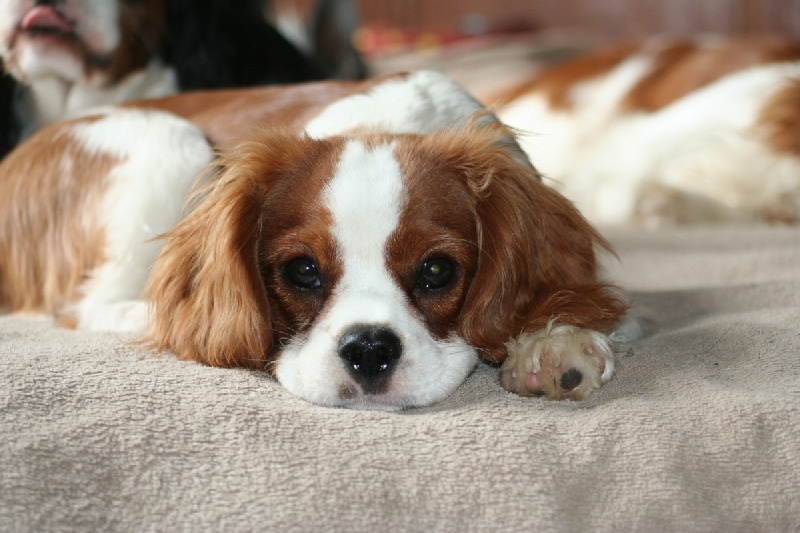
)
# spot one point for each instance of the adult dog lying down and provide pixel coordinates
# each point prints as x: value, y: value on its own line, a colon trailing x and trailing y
x: 364, y: 242
x: 670, y: 131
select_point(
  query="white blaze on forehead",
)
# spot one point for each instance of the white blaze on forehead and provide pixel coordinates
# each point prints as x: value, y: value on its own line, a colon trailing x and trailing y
x: 365, y: 197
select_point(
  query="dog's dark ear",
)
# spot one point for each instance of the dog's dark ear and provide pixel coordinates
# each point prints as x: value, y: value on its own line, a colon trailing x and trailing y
x: 332, y: 29
x: 537, y: 258
x: 10, y: 127
x: 229, y: 43
x: 208, y: 300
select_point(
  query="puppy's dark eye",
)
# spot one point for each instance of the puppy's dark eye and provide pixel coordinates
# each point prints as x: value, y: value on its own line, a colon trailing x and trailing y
x: 435, y: 274
x: 302, y: 272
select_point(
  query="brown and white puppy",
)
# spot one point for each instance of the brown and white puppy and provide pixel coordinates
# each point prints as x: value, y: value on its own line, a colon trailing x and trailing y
x: 669, y: 131
x: 68, y: 55
x: 365, y: 243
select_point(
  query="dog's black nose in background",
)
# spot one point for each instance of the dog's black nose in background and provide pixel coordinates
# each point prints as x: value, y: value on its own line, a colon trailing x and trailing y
x: 371, y: 354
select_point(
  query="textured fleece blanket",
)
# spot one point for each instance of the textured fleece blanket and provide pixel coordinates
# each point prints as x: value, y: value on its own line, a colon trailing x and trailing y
x: 698, y: 431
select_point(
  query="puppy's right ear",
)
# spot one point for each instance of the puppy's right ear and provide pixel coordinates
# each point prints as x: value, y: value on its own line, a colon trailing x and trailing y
x: 537, y: 254
x: 208, y: 300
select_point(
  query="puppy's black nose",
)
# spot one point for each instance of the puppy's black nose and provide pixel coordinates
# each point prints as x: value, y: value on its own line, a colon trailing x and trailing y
x: 370, y: 353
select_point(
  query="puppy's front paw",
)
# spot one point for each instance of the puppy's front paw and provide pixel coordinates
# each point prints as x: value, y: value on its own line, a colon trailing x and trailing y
x: 560, y: 362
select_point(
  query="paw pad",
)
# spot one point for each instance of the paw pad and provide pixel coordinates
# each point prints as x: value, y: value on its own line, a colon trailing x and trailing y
x: 571, y: 379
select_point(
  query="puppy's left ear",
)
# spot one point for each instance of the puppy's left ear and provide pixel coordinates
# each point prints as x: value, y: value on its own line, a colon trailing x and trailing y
x: 537, y: 259
x: 207, y: 296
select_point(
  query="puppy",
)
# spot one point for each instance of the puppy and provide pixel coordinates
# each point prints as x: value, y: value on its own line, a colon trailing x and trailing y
x: 68, y: 55
x: 365, y: 242
x: 670, y: 132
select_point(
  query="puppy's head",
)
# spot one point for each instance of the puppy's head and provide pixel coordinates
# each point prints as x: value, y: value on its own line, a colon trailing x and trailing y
x: 371, y: 271
x: 77, y: 40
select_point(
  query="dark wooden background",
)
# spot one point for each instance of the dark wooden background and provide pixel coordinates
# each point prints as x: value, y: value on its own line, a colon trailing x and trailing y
x: 606, y: 18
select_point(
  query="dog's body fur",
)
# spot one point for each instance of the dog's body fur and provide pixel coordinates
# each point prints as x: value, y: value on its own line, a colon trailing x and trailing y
x: 670, y: 132
x: 365, y: 242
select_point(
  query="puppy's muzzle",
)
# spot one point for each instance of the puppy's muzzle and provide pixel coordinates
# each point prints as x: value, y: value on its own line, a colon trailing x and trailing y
x: 370, y: 354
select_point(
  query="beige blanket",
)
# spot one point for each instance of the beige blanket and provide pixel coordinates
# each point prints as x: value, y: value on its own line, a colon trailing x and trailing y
x: 698, y: 431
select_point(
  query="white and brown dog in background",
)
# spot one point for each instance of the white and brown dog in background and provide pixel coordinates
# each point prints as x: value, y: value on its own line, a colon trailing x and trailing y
x: 65, y: 56
x: 669, y: 132
x: 364, y: 242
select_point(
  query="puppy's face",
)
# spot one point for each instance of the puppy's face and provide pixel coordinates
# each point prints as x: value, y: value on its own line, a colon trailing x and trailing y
x: 77, y: 40
x: 369, y: 271
x: 367, y: 267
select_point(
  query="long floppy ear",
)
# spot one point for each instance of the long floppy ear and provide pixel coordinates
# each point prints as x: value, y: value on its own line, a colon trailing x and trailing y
x: 208, y: 301
x: 537, y: 258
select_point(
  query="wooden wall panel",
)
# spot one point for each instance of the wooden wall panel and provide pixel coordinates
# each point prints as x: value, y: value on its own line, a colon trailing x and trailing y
x: 622, y: 18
